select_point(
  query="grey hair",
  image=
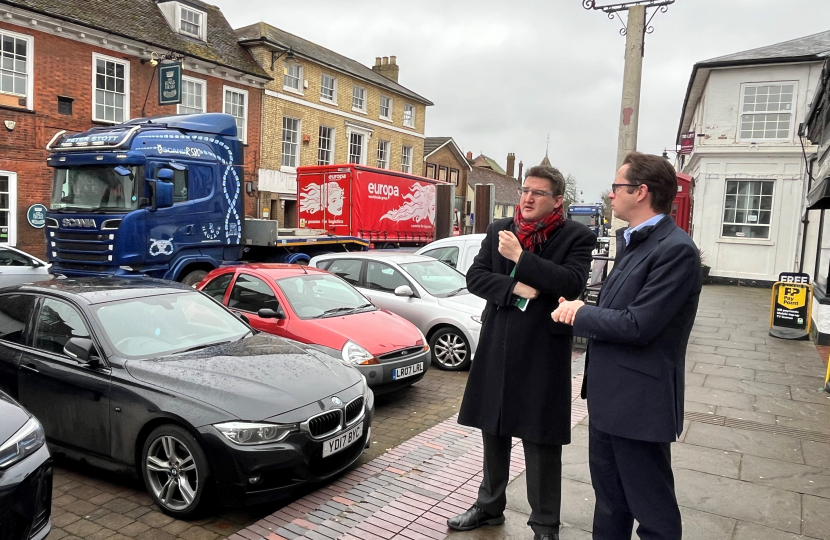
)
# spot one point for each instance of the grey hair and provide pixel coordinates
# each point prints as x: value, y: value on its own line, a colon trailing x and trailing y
x: 557, y: 181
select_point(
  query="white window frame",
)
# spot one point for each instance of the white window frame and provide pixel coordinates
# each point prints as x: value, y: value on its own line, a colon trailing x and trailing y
x: 365, y: 97
x: 30, y: 65
x: 225, y: 90
x: 12, y: 239
x: 203, y: 83
x: 791, y: 112
x: 202, y: 22
x: 384, y: 164
x: 367, y: 135
x: 409, y: 107
x: 126, y: 63
x: 406, y: 165
x: 331, y: 139
x: 724, y: 223
x: 297, y: 143
x: 324, y: 99
x: 300, y: 86
x: 389, y: 117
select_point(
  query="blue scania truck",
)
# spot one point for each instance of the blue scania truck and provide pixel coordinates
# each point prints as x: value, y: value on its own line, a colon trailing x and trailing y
x: 162, y: 197
x: 590, y: 215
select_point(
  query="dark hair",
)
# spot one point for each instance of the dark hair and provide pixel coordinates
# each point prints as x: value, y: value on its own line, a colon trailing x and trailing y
x: 657, y: 174
x: 552, y: 174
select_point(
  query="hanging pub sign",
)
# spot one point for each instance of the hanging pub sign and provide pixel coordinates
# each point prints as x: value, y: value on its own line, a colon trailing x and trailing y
x: 790, y: 314
x: 170, y: 84
x: 687, y: 142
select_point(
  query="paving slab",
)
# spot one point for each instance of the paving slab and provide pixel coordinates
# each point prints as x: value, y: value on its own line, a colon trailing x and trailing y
x: 748, y: 387
x: 813, y: 480
x: 743, y: 441
x: 816, y: 517
x: 717, y: 397
x: 707, y: 460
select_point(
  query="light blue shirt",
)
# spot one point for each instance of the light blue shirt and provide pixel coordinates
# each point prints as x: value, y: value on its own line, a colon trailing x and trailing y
x: 647, y: 223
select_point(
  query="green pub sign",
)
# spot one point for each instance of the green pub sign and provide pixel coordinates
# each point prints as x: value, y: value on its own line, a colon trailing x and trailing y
x: 170, y: 84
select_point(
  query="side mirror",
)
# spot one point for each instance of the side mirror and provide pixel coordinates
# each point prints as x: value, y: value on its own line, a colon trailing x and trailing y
x: 267, y: 313
x: 162, y: 193
x: 79, y: 348
x: 404, y: 290
x: 165, y: 175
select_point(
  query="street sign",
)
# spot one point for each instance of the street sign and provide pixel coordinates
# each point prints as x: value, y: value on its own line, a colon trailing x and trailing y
x: 687, y: 142
x: 794, y: 277
x: 37, y: 216
x: 170, y: 84
x: 790, y: 314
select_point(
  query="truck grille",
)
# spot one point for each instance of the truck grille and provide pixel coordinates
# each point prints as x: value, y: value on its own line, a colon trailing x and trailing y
x: 353, y: 409
x: 83, y: 247
x: 325, y: 423
x: 401, y: 354
x: 83, y: 237
x: 89, y: 247
x: 81, y: 267
x: 82, y: 257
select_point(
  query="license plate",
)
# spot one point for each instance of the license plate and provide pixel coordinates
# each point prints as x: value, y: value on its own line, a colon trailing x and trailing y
x: 332, y: 446
x: 408, y: 371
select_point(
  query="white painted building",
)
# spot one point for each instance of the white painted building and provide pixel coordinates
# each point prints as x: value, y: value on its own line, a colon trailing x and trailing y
x: 748, y: 163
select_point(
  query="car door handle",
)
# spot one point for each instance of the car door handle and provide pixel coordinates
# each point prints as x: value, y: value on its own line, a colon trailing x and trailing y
x: 29, y: 367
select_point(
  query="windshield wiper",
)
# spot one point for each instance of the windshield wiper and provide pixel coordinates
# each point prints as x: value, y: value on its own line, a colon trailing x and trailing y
x: 344, y: 310
x: 205, y: 346
x: 453, y: 293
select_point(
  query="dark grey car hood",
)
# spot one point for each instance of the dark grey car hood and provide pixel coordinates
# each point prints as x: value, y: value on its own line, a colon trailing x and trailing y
x: 252, y: 379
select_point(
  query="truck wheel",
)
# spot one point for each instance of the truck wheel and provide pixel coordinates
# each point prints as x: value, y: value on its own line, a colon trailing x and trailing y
x: 175, y: 470
x: 450, y: 349
x: 194, y: 277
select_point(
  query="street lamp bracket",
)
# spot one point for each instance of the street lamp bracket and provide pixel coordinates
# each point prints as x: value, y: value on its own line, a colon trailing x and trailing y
x: 276, y: 55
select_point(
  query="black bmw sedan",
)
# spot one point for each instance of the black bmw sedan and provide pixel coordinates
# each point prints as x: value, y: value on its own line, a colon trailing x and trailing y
x: 25, y: 475
x: 156, y: 379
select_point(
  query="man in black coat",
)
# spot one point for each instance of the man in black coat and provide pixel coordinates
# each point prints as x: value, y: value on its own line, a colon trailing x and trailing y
x: 520, y: 381
x: 635, y: 367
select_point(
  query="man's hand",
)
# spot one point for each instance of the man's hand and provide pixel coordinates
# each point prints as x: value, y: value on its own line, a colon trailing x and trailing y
x: 525, y: 291
x: 566, y: 312
x: 509, y: 246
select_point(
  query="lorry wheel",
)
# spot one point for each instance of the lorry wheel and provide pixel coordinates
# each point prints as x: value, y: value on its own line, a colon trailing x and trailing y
x: 194, y: 277
x: 450, y: 349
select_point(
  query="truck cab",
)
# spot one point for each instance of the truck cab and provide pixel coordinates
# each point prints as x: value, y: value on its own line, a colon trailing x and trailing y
x: 158, y: 196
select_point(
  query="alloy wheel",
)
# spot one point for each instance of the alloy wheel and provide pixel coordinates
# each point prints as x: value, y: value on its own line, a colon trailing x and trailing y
x: 450, y: 350
x: 172, y: 473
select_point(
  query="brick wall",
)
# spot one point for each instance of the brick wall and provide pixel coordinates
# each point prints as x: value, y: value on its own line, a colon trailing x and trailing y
x: 64, y: 67
x: 446, y: 157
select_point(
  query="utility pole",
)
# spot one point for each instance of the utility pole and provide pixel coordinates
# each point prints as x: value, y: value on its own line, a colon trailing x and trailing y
x: 634, y: 30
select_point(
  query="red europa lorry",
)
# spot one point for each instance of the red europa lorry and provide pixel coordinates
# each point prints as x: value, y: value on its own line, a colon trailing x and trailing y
x: 388, y: 208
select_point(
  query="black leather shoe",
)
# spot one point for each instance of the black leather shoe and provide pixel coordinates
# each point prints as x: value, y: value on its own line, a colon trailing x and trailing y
x: 473, y: 518
x: 546, y: 536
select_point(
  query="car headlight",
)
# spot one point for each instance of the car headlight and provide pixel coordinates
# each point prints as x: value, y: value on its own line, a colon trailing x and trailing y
x: 25, y: 442
x: 476, y: 318
x: 354, y: 354
x: 250, y: 433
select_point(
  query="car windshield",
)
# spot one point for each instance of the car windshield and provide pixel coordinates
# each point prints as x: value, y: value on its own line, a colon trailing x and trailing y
x: 167, y: 324
x: 437, y: 278
x: 315, y: 296
x: 92, y: 187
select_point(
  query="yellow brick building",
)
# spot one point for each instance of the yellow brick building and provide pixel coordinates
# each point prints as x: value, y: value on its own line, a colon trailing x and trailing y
x: 324, y: 108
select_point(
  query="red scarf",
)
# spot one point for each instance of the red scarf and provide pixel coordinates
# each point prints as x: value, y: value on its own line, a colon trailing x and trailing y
x: 532, y: 234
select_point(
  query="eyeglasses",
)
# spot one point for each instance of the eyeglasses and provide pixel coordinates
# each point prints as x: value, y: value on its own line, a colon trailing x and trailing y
x: 615, y: 186
x: 535, y: 192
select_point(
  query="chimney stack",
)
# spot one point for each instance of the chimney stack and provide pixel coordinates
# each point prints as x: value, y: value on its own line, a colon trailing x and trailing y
x: 387, y: 66
x: 469, y: 155
x: 521, y: 165
x: 511, y: 163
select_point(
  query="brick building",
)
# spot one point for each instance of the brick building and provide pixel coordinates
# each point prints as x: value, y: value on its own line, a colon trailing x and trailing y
x: 444, y: 160
x: 487, y: 171
x: 324, y: 108
x: 74, y: 64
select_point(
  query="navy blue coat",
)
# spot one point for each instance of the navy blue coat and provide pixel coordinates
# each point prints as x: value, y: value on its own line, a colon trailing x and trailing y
x: 638, y: 332
x: 520, y: 380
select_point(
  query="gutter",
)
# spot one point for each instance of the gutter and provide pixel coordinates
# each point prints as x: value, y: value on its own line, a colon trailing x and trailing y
x: 735, y: 63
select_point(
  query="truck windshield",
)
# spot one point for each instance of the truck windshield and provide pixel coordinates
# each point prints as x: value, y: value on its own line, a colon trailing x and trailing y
x: 92, y: 187
x: 590, y: 221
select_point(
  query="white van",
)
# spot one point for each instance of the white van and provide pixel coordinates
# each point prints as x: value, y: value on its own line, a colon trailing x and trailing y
x: 457, y: 251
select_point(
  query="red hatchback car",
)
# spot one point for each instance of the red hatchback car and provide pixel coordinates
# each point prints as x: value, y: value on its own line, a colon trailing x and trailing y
x: 312, y: 306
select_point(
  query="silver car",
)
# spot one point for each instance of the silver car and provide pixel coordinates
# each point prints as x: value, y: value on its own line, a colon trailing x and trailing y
x: 18, y: 267
x: 427, y: 292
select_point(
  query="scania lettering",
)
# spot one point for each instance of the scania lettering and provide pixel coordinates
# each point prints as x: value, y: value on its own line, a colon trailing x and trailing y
x: 163, y: 197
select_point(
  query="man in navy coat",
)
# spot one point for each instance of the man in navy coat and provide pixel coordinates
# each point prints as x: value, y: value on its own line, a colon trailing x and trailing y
x: 634, y: 374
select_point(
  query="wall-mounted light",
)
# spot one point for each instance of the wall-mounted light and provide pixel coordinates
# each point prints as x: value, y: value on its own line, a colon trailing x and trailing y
x: 289, y: 56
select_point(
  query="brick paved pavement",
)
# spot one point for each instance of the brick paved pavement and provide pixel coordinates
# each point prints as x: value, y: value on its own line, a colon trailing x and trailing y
x: 90, y: 504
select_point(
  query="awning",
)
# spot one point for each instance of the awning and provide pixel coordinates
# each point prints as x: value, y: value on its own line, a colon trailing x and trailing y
x: 819, y: 196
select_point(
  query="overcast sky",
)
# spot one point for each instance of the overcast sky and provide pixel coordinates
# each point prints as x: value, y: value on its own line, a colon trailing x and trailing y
x: 503, y: 75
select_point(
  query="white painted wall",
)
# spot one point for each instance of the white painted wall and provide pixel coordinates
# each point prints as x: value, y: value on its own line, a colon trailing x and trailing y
x: 720, y: 156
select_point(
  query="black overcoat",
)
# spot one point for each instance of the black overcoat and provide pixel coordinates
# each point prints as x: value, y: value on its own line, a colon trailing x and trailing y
x: 520, y: 379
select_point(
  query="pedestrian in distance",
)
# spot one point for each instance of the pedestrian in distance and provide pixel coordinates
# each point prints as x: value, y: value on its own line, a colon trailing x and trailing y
x: 635, y: 365
x: 520, y: 380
